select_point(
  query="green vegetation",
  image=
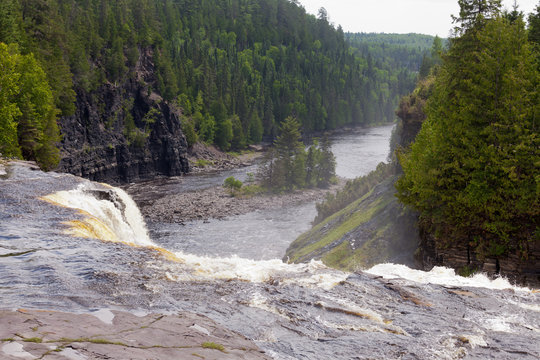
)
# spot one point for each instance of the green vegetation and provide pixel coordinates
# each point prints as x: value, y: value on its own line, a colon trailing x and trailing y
x: 353, y: 190
x: 27, y: 113
x: 289, y: 166
x: 214, y: 346
x: 237, y: 69
x: 398, y: 57
x: 203, y: 163
x: 90, y: 340
x: 33, y: 339
x: 232, y: 184
x: 372, y: 229
x: 473, y: 169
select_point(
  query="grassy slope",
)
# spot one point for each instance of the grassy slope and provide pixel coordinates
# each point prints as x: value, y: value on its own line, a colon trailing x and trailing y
x: 371, y: 230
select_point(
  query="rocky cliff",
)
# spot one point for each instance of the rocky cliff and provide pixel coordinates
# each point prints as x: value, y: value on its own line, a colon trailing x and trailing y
x: 466, y: 261
x: 124, y: 132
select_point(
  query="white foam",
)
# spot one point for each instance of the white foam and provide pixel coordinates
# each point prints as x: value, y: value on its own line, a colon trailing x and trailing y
x: 441, y: 276
x: 312, y: 274
x: 234, y: 268
x: 127, y: 226
x: 498, y: 324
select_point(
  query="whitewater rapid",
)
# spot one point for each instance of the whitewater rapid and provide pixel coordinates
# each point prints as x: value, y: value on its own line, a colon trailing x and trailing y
x: 74, y: 245
x: 116, y: 217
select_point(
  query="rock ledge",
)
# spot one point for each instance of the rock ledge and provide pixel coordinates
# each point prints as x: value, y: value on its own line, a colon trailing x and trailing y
x: 106, y: 334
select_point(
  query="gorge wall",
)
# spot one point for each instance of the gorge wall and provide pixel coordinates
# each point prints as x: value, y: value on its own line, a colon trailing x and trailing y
x: 464, y: 259
x: 124, y: 132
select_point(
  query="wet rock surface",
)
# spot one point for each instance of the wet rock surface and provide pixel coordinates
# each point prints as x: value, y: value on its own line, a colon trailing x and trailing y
x: 106, y: 334
x: 300, y: 311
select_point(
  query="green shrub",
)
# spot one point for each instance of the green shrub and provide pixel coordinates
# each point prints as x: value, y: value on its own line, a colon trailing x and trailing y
x: 232, y: 184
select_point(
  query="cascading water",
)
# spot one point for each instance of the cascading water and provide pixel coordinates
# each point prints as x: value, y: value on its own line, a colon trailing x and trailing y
x: 108, y: 214
x: 308, y: 311
x: 304, y: 311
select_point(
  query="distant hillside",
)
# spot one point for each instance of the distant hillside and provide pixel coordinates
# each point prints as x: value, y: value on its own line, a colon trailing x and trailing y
x: 392, y: 50
x: 124, y: 73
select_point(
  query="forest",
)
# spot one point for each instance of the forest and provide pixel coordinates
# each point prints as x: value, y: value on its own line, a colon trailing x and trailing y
x: 236, y: 68
x: 473, y: 170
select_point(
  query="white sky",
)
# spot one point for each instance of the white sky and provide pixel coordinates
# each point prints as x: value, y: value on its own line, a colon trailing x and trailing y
x: 432, y: 17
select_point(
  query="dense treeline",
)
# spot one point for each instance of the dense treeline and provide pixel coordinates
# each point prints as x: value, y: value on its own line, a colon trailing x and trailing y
x: 399, y: 56
x: 392, y: 51
x: 237, y: 68
x: 27, y: 113
x: 401, y: 52
x: 288, y: 165
x: 473, y: 169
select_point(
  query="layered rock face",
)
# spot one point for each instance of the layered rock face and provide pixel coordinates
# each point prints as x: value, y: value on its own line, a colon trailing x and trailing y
x: 110, y: 137
x: 465, y: 260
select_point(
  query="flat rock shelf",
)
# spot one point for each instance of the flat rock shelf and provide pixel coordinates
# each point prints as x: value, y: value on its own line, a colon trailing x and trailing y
x: 110, y: 334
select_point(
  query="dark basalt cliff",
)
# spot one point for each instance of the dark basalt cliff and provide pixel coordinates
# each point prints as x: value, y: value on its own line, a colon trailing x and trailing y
x: 109, y: 139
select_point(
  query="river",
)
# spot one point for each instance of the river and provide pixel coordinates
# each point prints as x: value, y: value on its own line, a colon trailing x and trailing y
x: 357, y: 152
x: 73, y: 245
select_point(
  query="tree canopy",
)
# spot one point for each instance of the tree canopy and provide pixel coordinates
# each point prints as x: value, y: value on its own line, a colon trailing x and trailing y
x: 27, y: 112
x: 261, y: 61
x: 473, y: 169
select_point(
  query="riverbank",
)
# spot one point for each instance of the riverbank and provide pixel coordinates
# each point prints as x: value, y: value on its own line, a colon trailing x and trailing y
x: 217, y: 203
x: 207, y: 158
x: 106, y: 334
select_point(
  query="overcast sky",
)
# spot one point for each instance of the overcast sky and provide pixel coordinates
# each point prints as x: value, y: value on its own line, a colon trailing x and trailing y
x: 432, y: 17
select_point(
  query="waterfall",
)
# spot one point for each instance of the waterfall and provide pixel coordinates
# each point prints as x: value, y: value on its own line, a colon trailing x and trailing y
x: 108, y: 214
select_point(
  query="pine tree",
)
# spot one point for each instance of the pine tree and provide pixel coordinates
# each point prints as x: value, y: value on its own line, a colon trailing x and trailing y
x: 534, y: 26
x: 471, y: 171
x: 327, y: 165
x: 474, y: 13
x: 285, y: 167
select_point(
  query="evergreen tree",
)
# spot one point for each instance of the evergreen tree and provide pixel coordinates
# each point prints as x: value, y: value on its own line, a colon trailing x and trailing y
x: 290, y: 153
x: 474, y: 13
x: 327, y: 165
x: 285, y: 167
x: 312, y: 161
x: 471, y: 171
x: 534, y: 26
x: 9, y: 111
